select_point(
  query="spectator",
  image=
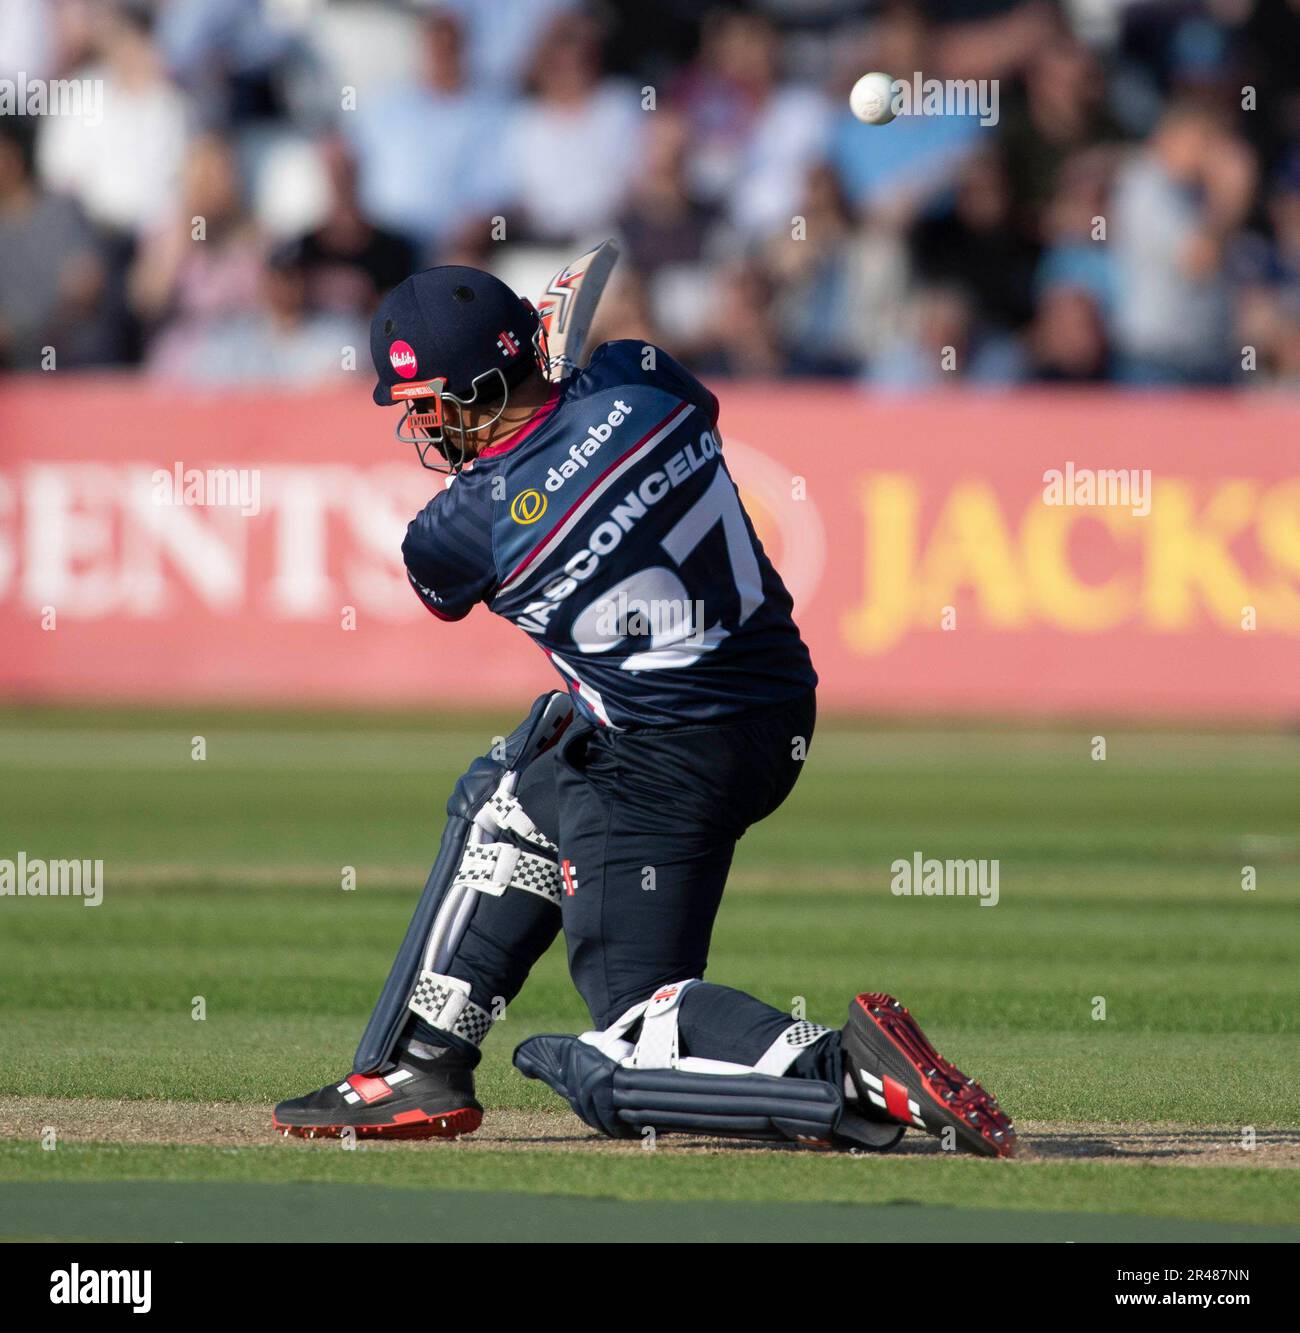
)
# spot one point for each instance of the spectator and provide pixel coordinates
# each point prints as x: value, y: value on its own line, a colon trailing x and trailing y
x: 1284, y: 219
x: 125, y: 171
x: 752, y: 140
x: 503, y: 36
x: 1076, y: 251
x: 827, y: 277
x: 429, y: 154
x: 572, y: 148
x: 665, y: 229
x: 284, y: 344
x: 1270, y: 327
x: 739, y: 338
x: 943, y: 344
x: 1067, y: 341
x: 664, y: 221
x: 624, y: 312
x: 1176, y: 207
x: 978, y: 244
x: 1268, y: 313
x: 204, y: 262
x: 51, y: 276
x: 1063, y: 109
x: 350, y: 262
x: 228, y: 54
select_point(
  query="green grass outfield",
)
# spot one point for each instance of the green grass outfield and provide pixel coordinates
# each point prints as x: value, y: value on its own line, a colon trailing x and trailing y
x: 1120, y: 879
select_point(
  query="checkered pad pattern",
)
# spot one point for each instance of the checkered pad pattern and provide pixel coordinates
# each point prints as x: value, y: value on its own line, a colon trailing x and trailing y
x: 430, y: 995
x: 479, y: 863
x: 431, y: 1000
x: 784, y: 1051
x: 533, y: 874
x: 473, y: 1024
x: 804, y: 1034
x: 509, y: 814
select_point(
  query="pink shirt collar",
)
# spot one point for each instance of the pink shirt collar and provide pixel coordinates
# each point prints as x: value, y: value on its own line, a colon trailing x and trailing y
x: 517, y: 437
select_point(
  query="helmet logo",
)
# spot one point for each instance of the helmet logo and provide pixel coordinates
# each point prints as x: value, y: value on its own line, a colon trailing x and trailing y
x: 507, y: 344
x: 402, y: 355
x: 528, y: 506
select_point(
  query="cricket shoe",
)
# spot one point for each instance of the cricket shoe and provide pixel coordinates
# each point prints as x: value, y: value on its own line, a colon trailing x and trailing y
x: 899, y: 1077
x: 415, y: 1100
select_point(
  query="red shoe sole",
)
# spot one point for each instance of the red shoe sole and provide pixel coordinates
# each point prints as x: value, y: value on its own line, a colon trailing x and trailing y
x: 957, y: 1097
x: 405, y: 1125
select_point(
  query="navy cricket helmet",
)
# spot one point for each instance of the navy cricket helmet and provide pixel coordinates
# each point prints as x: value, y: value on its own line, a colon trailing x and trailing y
x: 451, y: 335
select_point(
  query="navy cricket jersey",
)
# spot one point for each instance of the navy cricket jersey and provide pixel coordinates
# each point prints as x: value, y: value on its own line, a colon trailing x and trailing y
x: 611, y: 533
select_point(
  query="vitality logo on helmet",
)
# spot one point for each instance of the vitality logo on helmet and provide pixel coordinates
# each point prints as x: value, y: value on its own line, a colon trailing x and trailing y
x: 581, y: 454
x: 402, y: 356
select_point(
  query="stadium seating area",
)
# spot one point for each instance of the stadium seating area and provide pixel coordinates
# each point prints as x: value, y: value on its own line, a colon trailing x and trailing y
x: 263, y: 169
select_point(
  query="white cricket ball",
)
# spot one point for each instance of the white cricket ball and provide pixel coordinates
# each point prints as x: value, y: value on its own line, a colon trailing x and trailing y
x: 872, y: 98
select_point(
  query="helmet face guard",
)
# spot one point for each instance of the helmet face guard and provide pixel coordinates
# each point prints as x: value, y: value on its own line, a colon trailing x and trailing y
x: 434, y: 419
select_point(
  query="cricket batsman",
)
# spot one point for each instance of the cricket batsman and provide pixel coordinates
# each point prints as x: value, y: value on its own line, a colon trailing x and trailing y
x: 597, y: 514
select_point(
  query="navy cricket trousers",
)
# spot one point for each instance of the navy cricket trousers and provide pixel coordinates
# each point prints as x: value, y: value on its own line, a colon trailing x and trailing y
x: 647, y: 822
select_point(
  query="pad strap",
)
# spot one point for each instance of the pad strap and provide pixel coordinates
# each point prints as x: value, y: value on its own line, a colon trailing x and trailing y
x: 494, y: 867
x: 503, y: 812
x: 783, y: 1052
x: 443, y: 1002
x: 658, y: 1046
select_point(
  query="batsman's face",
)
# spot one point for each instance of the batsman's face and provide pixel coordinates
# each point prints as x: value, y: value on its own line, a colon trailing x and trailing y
x: 424, y: 422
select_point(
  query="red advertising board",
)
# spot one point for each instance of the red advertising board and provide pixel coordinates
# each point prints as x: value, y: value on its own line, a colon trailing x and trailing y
x: 1026, y: 553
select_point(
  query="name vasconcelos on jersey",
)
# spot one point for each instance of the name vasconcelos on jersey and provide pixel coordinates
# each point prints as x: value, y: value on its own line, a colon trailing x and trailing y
x: 625, y: 514
x: 581, y: 454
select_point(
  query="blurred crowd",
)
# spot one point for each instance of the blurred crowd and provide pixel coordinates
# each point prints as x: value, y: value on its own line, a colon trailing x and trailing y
x: 263, y: 170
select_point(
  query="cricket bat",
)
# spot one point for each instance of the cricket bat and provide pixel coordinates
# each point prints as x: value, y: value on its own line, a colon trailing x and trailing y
x: 569, y: 304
